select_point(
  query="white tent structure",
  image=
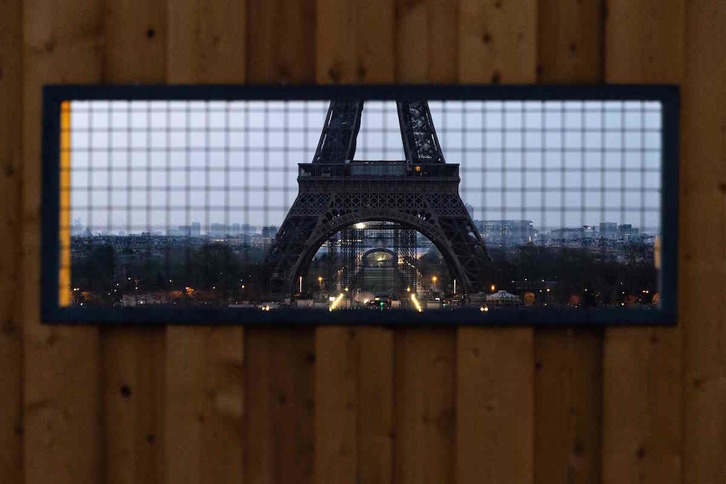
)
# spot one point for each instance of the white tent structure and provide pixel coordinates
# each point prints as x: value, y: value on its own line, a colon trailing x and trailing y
x: 503, y: 298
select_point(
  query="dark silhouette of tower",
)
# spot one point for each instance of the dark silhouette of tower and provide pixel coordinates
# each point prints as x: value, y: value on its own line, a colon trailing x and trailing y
x: 336, y: 191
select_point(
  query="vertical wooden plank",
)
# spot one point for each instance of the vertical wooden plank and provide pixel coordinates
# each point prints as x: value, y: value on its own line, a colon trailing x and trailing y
x: 62, y: 43
x: 568, y: 363
x: 280, y: 361
x: 133, y: 359
x: 497, y: 41
x: 204, y: 413
x: 354, y: 371
x: 11, y: 357
x: 282, y: 40
x: 703, y: 244
x: 642, y: 377
x: 424, y: 406
x: 426, y: 46
x: 494, y: 399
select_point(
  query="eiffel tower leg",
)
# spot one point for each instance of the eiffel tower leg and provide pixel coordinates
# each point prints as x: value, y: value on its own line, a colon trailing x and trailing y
x: 462, y: 239
x: 290, y: 241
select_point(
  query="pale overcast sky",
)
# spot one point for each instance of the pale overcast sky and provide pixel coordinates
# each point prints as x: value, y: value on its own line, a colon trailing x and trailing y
x: 153, y: 165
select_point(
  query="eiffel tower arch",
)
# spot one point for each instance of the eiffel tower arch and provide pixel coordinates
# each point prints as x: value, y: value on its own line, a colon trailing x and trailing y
x: 336, y: 191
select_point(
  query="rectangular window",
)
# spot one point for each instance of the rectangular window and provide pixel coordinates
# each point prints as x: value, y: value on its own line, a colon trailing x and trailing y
x: 335, y: 204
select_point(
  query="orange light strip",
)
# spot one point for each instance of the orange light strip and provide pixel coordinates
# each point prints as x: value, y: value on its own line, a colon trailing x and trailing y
x: 64, y: 270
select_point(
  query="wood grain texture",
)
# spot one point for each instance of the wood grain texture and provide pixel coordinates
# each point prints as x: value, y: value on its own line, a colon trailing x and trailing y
x: 281, y: 41
x: 205, y: 394
x: 354, y: 369
x: 62, y: 43
x: 133, y: 359
x: 11, y: 345
x: 497, y: 41
x: 424, y: 406
x: 642, y: 368
x: 205, y: 405
x: 280, y: 406
x: 495, y: 366
x: 133, y: 367
x: 427, y: 41
x: 568, y: 363
x: 280, y: 362
x: 570, y: 41
x: 703, y: 244
x: 354, y: 41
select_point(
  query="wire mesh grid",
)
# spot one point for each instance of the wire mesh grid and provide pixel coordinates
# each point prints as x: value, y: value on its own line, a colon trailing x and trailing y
x: 147, y: 175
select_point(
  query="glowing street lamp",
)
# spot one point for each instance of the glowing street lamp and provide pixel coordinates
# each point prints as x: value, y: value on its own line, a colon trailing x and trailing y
x: 493, y: 288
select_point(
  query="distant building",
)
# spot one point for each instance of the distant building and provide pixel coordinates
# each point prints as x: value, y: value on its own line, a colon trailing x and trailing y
x: 470, y: 209
x: 196, y: 230
x: 506, y: 233
x: 76, y: 227
x: 247, y: 229
x: 608, y: 230
x: 270, y: 231
x: 217, y: 230
x: 626, y: 231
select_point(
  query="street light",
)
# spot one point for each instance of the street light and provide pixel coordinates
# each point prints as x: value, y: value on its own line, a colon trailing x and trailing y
x: 493, y: 288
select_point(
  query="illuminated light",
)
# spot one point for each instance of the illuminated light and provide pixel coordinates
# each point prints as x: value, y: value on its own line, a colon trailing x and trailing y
x: 548, y: 289
x: 418, y: 168
x: 408, y: 289
x: 484, y: 309
x: 65, y: 296
x: 493, y: 288
x: 434, y: 279
x: 336, y: 301
x: 416, y: 304
x: 360, y: 226
x: 346, y: 289
x: 331, y: 298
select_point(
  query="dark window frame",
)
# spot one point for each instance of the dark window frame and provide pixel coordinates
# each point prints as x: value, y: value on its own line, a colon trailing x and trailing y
x: 665, y: 315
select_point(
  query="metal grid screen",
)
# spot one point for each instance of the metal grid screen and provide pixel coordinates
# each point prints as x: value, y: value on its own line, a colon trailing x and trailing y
x: 178, y: 202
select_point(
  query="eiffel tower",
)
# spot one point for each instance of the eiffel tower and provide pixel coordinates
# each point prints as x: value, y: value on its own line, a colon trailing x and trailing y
x: 336, y: 191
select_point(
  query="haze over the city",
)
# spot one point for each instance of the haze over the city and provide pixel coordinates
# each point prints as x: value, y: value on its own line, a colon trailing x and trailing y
x: 143, y: 166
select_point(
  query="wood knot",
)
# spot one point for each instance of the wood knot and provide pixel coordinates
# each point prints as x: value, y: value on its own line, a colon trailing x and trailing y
x: 362, y: 72
x: 640, y: 452
x: 125, y: 391
x: 496, y: 77
x: 49, y: 45
x: 486, y: 38
x: 334, y: 74
x: 150, y: 33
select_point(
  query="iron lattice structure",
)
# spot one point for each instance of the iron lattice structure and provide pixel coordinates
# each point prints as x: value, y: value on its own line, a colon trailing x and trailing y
x: 420, y: 193
x: 347, y: 251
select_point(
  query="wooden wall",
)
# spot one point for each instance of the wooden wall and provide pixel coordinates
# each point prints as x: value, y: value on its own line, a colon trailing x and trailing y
x: 360, y: 404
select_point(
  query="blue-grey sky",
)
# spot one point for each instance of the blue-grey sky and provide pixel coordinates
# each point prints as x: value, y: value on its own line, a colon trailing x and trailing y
x: 149, y: 165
